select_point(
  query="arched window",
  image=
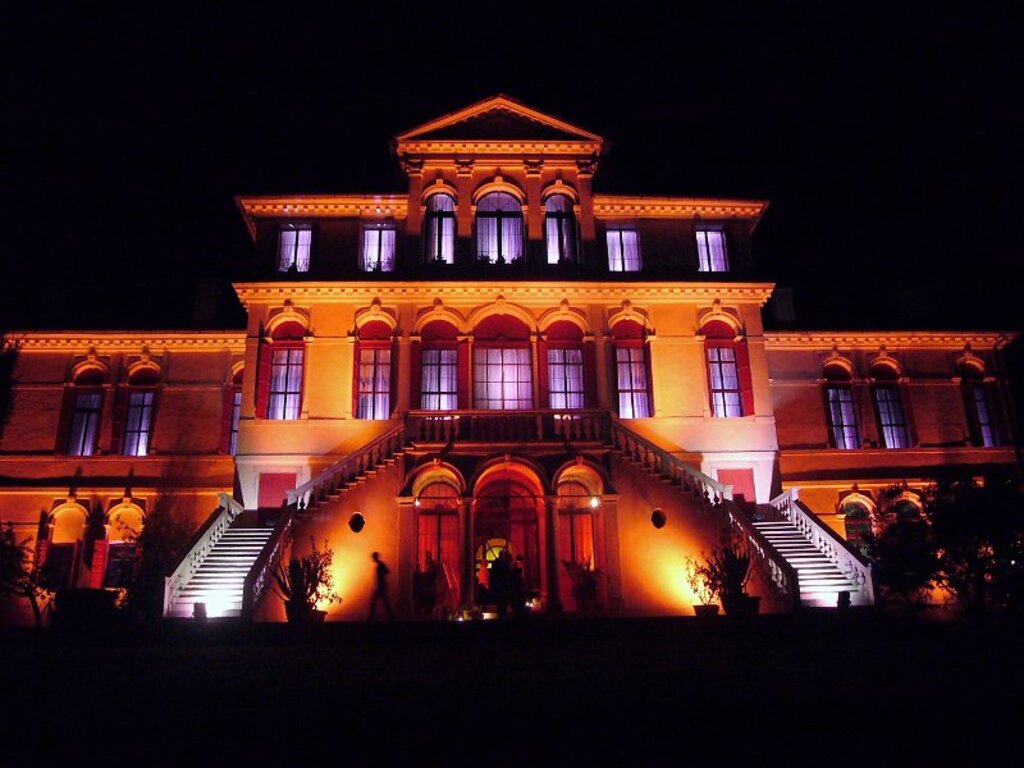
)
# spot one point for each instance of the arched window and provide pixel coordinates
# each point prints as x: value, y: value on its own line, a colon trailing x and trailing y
x: 437, y: 526
x: 231, y: 414
x: 632, y: 374
x: 840, y: 408
x: 59, y: 555
x: 373, y: 371
x: 564, y: 368
x: 857, y: 519
x: 79, y: 429
x: 978, y: 407
x: 502, y: 370
x: 439, y: 229
x: 125, y: 524
x: 437, y: 388
x: 576, y: 524
x: 134, y: 411
x: 281, y: 365
x: 729, y: 382
x: 499, y: 228
x: 889, y: 410
x: 560, y: 229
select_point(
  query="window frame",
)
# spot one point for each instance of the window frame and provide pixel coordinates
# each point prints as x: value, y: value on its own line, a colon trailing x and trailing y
x: 379, y: 400
x: 514, y: 218
x: 378, y: 229
x: 552, y: 391
x: 620, y: 231
x: 482, y: 362
x: 442, y: 351
x: 77, y: 394
x: 850, y: 433
x: 294, y: 264
x: 566, y: 236
x: 705, y: 261
x: 146, y: 410
x: 884, y: 428
x: 435, y: 220
x: 282, y: 397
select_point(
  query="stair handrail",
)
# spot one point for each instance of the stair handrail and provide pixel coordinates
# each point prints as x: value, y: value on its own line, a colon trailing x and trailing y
x: 839, y: 551
x: 350, y: 466
x: 568, y: 424
x: 654, y: 458
x: 772, y: 566
x: 203, y: 541
x: 262, y: 571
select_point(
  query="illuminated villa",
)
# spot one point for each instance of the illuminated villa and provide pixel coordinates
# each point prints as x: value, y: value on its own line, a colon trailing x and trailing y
x: 496, y: 358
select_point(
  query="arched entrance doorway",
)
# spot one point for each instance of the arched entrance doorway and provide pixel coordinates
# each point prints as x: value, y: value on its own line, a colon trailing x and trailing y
x: 508, y: 516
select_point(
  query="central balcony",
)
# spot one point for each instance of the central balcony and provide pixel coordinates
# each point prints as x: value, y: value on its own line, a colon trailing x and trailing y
x: 508, y: 426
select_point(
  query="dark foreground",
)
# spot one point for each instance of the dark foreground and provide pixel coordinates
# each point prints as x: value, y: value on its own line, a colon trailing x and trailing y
x: 824, y: 690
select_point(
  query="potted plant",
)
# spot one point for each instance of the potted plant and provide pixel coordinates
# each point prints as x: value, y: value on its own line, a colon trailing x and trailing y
x: 584, y: 583
x: 703, y: 587
x: 306, y: 583
x: 727, y: 571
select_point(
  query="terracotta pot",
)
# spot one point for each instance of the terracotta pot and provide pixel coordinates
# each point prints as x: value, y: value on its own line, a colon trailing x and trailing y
x: 741, y: 605
x: 705, y: 611
x: 300, y: 613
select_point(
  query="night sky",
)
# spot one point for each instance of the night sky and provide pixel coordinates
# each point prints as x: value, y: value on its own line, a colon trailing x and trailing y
x: 887, y: 139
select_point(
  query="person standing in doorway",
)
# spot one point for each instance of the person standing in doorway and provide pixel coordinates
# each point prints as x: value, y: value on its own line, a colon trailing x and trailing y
x: 380, y: 592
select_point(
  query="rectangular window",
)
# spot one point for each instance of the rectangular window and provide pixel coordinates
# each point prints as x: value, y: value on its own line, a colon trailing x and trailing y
x: 236, y: 412
x: 85, y: 423
x: 138, y: 423
x: 986, y: 430
x: 623, y: 250
x: 631, y: 369
x: 576, y: 536
x: 711, y: 250
x: 379, y: 249
x: 438, y: 538
x: 285, y: 384
x: 293, y: 250
x: 565, y: 378
x: 374, y: 384
x: 891, y: 419
x: 441, y: 239
x: 438, y: 380
x: 842, y: 417
x: 502, y: 379
x: 726, y: 398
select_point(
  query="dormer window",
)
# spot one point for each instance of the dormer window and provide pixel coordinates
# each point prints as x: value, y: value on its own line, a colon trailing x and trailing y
x: 711, y: 252
x: 379, y: 247
x: 439, y: 229
x: 623, y: 250
x: 293, y: 244
x: 499, y: 228
x: 560, y: 229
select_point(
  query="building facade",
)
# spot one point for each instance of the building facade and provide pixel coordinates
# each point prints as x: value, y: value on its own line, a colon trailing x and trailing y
x: 497, y: 359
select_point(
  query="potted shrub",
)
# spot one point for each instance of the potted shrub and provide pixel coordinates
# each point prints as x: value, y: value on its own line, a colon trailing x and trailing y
x: 306, y: 583
x: 584, y: 583
x: 703, y: 586
x: 727, y: 571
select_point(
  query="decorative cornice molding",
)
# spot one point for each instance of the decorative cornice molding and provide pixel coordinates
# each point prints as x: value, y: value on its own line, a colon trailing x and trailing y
x: 319, y: 206
x: 492, y: 148
x: 108, y: 342
x: 891, y: 340
x: 458, y: 293
x: 618, y: 206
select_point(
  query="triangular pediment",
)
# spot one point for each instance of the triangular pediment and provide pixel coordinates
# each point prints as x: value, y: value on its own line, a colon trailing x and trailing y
x: 498, y: 118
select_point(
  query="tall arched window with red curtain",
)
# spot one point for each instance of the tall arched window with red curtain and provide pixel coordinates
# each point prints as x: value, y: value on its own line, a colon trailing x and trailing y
x: 372, y: 385
x: 281, y: 363
x: 566, y: 367
x: 134, y: 410
x: 435, y: 368
x: 502, y: 366
x: 730, y: 389
x: 632, y: 370
x: 231, y: 414
x: 79, y: 427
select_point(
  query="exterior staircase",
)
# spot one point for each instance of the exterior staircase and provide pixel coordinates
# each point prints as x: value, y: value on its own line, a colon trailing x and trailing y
x: 220, y: 577
x: 820, y: 580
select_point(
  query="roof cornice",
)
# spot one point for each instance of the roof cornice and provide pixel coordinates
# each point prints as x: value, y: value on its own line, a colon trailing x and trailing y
x: 469, y: 292
x: 156, y: 342
x: 318, y: 206
x: 634, y: 206
x: 891, y: 340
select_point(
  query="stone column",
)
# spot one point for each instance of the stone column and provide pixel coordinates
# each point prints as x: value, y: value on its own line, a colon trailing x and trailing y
x: 534, y: 250
x: 468, y: 577
x: 405, y: 557
x: 613, y: 574
x: 464, y: 212
x: 551, y: 518
x: 404, y: 373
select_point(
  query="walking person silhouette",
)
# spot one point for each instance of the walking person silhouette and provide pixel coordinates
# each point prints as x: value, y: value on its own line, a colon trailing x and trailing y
x: 380, y: 592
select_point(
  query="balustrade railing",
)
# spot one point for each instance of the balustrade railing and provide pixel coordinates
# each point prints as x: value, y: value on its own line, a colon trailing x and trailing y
x: 507, y: 426
x: 204, y: 540
x: 262, y: 572
x: 764, y: 558
x: 348, y: 469
x: 827, y: 541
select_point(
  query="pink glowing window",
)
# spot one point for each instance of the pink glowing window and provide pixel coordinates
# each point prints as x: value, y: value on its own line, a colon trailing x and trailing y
x: 374, y: 384
x: 285, y: 384
x: 439, y: 229
x: 565, y: 378
x: 439, y: 380
x: 711, y: 252
x: 502, y: 379
x: 293, y: 249
x: 499, y: 228
x: 560, y: 229
x: 379, y: 248
x: 623, y: 250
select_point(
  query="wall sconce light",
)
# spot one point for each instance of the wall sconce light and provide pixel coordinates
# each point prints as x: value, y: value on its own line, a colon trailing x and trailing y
x: 595, y: 502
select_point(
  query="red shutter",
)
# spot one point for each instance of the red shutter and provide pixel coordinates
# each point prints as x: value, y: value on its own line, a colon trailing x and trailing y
x: 99, y: 563
x: 650, y: 377
x: 542, y: 374
x: 746, y: 383
x: 908, y: 413
x: 465, y: 396
x: 42, y: 550
x: 120, y: 412
x: 415, y: 374
x: 64, y: 424
x: 264, y: 355
x: 589, y: 375
x: 225, y: 419
x: 355, y: 379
